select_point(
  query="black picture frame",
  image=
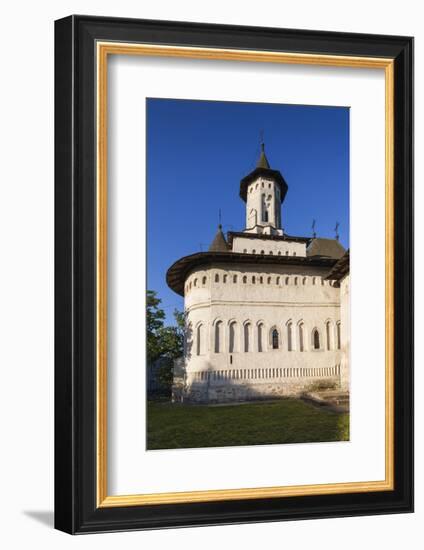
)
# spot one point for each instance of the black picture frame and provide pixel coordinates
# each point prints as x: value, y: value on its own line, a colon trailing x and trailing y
x: 76, y: 510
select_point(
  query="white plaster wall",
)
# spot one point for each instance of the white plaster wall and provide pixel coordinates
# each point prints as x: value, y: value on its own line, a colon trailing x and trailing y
x: 259, y: 187
x: 276, y: 284
x: 345, y: 330
x: 277, y: 247
x: 270, y: 298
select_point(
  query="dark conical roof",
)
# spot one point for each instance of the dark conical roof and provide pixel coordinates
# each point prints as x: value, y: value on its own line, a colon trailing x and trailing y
x: 263, y: 169
x: 263, y: 161
x: 219, y: 244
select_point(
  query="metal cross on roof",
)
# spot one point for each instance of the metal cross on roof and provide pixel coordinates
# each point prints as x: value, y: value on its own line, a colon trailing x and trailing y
x: 336, y: 229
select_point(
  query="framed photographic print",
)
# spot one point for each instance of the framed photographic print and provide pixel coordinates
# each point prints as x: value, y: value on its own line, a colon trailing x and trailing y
x: 233, y: 272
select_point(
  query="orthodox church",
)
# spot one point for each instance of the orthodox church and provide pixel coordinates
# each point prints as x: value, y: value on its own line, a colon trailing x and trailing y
x: 267, y: 313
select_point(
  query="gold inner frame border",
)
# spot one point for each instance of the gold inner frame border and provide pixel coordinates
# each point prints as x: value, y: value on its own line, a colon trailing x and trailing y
x: 103, y: 50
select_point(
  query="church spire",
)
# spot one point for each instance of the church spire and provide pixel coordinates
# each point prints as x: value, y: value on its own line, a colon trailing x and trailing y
x: 263, y: 161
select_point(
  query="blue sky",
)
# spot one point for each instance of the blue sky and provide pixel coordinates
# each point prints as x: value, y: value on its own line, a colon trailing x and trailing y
x: 197, y: 152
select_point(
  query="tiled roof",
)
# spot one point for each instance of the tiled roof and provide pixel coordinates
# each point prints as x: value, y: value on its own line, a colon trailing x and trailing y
x: 325, y: 248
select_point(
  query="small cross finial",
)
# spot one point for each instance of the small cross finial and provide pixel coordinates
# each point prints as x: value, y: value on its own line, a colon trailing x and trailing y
x: 262, y: 140
x: 313, y: 229
x: 219, y: 218
x: 336, y: 229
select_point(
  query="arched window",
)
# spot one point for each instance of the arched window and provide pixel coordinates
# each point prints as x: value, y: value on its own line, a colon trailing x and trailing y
x: 339, y: 337
x: 264, y: 209
x: 304, y: 281
x: 224, y: 279
x: 234, y: 278
x: 301, y: 338
x: 247, y: 337
x: 315, y: 339
x: 314, y: 280
x: 262, y: 251
x: 260, y: 337
x: 195, y: 282
x: 287, y: 280
x: 294, y: 253
x: 289, y: 336
x: 204, y: 281
x: 188, y: 340
x: 271, y: 252
x: 253, y: 279
x: 232, y: 337
x: 200, y: 340
x: 327, y: 333
x: 244, y: 279
x: 287, y: 252
x: 218, y: 336
x: 269, y: 280
x: 295, y: 280
x: 275, y: 339
x: 253, y: 251
x: 261, y: 280
x: 277, y: 281
x: 216, y: 278
x: 245, y: 250
x: 279, y: 252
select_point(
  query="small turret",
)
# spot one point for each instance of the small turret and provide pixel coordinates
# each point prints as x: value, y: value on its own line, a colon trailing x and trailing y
x: 219, y: 244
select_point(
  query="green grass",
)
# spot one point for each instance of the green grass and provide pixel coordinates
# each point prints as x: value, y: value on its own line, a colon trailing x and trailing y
x: 179, y: 426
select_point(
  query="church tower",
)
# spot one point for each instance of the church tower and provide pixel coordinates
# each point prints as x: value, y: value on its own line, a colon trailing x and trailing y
x: 263, y: 191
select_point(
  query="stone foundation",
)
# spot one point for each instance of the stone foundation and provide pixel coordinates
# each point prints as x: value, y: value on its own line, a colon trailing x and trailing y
x: 230, y: 391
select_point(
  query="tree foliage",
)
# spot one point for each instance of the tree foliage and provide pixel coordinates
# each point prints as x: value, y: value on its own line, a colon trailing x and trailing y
x: 172, y: 337
x: 155, y: 320
x: 164, y: 343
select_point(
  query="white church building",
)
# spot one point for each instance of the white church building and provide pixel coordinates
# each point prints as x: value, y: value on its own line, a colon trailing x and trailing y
x: 267, y: 313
